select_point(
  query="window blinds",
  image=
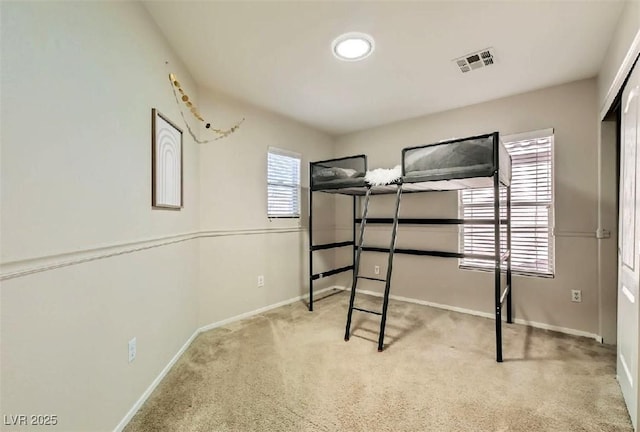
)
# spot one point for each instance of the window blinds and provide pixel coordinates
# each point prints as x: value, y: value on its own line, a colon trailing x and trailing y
x: 531, y: 209
x: 283, y: 184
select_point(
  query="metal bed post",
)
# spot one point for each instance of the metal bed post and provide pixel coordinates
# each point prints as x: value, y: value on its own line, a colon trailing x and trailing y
x: 509, y: 286
x: 353, y: 235
x: 314, y: 186
x: 310, y: 239
x: 497, y: 258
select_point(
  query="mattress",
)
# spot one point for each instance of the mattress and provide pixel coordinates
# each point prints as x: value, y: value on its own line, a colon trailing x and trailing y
x: 456, y: 164
x: 335, y: 174
x: 347, y: 179
x: 339, y: 183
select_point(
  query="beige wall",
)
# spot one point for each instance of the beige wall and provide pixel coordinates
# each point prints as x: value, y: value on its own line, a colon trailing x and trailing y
x: 571, y: 110
x: 78, y: 84
x: 65, y: 333
x: 75, y: 128
x: 86, y: 264
x: 233, y: 197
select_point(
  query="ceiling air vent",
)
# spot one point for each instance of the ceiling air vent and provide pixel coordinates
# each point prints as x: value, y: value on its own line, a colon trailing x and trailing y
x: 475, y: 60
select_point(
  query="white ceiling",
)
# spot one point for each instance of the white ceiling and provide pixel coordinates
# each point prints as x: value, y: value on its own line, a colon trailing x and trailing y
x: 278, y: 54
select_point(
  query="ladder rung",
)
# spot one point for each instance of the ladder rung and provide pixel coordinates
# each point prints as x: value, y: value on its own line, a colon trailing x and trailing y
x: 504, y: 294
x: 505, y: 255
x: 370, y: 278
x: 367, y: 311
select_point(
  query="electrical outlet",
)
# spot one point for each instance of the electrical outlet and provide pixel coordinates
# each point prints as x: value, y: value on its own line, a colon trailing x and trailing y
x: 260, y: 281
x: 376, y: 270
x: 576, y: 296
x: 132, y: 349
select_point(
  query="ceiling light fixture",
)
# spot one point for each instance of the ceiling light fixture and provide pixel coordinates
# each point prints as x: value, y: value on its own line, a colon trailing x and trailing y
x: 353, y: 46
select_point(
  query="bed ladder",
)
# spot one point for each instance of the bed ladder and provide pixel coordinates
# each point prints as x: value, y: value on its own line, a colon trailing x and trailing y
x: 387, y: 280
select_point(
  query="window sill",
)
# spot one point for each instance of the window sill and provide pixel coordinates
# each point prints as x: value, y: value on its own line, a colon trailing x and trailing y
x: 513, y: 272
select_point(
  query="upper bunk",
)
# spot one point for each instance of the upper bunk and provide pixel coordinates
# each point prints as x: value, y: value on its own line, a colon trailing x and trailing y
x: 449, y: 165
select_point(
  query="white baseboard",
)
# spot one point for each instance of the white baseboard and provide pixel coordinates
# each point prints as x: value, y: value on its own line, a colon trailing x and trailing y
x: 521, y: 321
x: 134, y: 409
x: 262, y: 310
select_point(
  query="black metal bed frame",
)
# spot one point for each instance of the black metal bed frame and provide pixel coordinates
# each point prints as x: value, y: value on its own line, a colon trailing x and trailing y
x: 498, y: 257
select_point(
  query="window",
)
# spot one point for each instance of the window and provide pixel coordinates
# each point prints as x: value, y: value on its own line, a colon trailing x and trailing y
x: 531, y: 209
x: 283, y: 184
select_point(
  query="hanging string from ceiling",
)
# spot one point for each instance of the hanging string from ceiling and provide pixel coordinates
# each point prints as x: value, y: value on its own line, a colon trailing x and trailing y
x: 182, y: 98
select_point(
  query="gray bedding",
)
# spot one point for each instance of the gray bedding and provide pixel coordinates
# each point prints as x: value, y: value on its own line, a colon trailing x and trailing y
x: 458, y: 164
x: 455, y: 160
x: 331, y: 175
x: 339, y: 183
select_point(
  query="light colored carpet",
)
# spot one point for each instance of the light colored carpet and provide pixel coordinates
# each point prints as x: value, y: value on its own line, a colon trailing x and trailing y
x: 290, y: 370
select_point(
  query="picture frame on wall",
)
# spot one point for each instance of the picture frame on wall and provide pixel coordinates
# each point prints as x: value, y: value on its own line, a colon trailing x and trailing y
x: 166, y: 163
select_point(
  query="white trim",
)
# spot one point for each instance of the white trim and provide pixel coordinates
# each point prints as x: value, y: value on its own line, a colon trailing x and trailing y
x: 250, y: 231
x: 628, y: 293
x: 535, y: 324
x: 262, y: 310
x: 519, y: 273
x: 626, y: 370
x: 632, y: 94
x: 565, y: 330
x: 284, y: 152
x: 27, y: 266
x: 103, y: 248
x: 528, y: 136
x: 136, y: 406
x: 621, y: 75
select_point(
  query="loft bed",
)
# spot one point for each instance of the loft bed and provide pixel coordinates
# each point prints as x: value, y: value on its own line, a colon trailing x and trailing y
x: 474, y: 162
x: 449, y: 165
